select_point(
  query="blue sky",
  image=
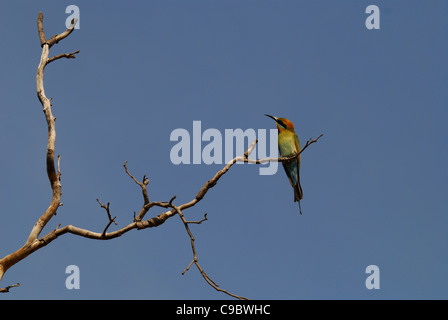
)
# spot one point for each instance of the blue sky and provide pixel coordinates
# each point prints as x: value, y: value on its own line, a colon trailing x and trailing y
x: 374, y: 186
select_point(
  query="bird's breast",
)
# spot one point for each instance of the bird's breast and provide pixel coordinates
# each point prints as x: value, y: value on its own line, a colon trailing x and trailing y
x: 286, y: 145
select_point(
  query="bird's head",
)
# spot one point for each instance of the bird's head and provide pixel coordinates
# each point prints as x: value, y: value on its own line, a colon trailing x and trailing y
x: 282, y: 123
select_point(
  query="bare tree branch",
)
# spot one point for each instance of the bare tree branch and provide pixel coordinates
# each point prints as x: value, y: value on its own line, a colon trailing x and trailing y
x: 200, y: 221
x: 40, y: 29
x: 142, y: 184
x: 6, y: 289
x: 34, y: 243
x: 70, y: 55
x: 111, y: 220
x: 195, y: 257
x: 58, y: 37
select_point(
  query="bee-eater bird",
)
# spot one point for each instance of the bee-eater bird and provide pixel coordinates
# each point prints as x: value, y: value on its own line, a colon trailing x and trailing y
x: 288, y: 145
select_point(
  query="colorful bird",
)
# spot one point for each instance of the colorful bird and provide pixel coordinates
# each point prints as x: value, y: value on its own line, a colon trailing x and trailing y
x: 288, y: 145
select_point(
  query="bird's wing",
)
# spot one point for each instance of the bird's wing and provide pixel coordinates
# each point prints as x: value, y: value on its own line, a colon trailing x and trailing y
x: 298, y: 194
x: 297, y: 144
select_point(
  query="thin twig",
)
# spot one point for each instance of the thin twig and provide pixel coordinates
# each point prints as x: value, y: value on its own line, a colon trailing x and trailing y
x: 143, y: 185
x: 70, y: 55
x: 111, y: 220
x: 279, y: 159
x: 188, y: 268
x: 6, y: 289
x: 200, y: 221
x: 195, y: 256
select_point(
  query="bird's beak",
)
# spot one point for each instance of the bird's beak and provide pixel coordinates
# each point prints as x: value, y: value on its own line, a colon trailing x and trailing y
x: 272, y: 117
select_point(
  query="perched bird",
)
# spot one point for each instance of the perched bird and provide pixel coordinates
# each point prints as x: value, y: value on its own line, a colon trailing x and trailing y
x: 288, y: 145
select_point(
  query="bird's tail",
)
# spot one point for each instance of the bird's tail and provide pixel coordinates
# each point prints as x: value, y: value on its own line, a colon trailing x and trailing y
x: 298, y: 195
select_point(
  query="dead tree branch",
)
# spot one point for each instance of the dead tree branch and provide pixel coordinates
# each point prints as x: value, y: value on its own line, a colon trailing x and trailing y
x: 280, y: 159
x: 35, y: 242
x: 200, y: 221
x: 111, y: 220
x: 6, y: 289
x: 70, y: 55
x: 142, y: 184
x: 195, y: 256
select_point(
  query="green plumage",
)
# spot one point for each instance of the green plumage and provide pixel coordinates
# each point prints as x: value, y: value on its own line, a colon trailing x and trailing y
x: 288, y: 145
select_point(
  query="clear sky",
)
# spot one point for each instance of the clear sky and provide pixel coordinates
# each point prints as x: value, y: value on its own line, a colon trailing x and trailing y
x: 375, y: 185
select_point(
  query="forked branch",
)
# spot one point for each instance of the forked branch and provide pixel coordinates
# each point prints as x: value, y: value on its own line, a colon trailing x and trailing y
x: 195, y: 260
x: 35, y: 242
x: 111, y: 220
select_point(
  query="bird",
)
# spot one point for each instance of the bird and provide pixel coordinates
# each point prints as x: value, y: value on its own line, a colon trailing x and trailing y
x: 288, y: 145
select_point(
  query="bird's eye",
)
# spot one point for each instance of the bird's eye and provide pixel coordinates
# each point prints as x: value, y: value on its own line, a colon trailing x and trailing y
x: 282, y: 124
